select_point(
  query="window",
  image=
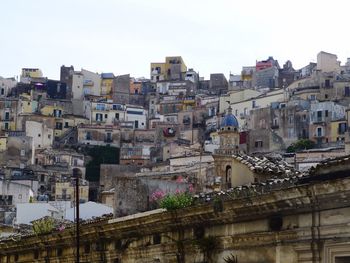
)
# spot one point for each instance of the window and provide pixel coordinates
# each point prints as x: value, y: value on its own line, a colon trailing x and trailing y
x: 100, y: 106
x: 99, y: 117
x: 6, y: 125
x: 290, y: 119
x: 36, y: 254
x: 23, y: 152
x: 258, y: 144
x: 7, y: 116
x: 106, y: 116
x: 57, y: 113
x: 326, y: 96
x: 87, y: 248
x: 118, y: 244
x: 347, y: 92
x: 88, y: 135
x: 59, y: 125
x: 341, y: 128
x: 327, y: 83
x: 253, y: 104
x: 117, y: 116
x: 2, y: 91
x: 344, y: 259
x: 319, y: 132
x: 136, y: 124
x: 157, y: 239
x: 326, y: 113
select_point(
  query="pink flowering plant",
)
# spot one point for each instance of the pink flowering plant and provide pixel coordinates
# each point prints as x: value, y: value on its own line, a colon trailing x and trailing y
x: 172, y: 201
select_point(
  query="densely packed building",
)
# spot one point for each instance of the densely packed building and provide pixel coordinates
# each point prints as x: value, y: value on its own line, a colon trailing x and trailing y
x: 129, y: 137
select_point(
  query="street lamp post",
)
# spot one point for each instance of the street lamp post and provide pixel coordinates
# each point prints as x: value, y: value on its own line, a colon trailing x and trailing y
x: 76, y: 176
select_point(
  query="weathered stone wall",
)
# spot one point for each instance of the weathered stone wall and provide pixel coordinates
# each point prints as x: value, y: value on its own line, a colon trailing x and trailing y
x: 304, y: 223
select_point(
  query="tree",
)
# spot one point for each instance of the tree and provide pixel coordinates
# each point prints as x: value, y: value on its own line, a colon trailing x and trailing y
x: 302, y: 144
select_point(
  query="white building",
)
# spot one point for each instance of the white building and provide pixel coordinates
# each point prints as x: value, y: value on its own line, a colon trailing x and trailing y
x: 86, y: 83
x: 137, y: 115
x: 104, y: 112
x: 242, y: 109
x: 6, y: 84
x: 327, y: 62
x: 28, y: 212
x: 13, y: 193
x: 89, y: 210
x: 42, y: 135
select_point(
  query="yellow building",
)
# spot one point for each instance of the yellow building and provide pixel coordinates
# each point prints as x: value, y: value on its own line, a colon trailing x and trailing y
x: 65, y: 191
x: 27, y: 104
x: 31, y: 73
x: 8, y: 114
x: 172, y: 69
x: 107, y: 80
x: 338, y: 130
x: 51, y: 110
x: 3, y: 142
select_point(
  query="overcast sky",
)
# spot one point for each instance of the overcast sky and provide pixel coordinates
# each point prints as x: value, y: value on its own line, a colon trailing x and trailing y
x: 124, y: 36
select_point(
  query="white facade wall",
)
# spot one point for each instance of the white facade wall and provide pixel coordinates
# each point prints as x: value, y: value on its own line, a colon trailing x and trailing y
x: 162, y: 87
x: 242, y: 109
x: 20, y: 193
x: 77, y: 86
x: 41, y: 134
x: 25, y: 213
x: 137, y: 116
x: 235, y: 97
x: 6, y: 85
x: 109, y: 115
x: 327, y: 62
x: 95, y: 78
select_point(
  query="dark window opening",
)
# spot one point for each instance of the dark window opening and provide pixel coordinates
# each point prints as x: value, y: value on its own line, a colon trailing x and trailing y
x: 157, y: 239
x: 87, y: 248
x: 199, y: 232
x: 36, y: 254
x: 118, y: 244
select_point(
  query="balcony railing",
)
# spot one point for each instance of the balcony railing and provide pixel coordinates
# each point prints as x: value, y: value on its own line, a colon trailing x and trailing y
x: 225, y: 151
x: 63, y: 197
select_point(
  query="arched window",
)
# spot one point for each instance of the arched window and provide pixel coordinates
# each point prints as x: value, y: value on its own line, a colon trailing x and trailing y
x: 228, y: 176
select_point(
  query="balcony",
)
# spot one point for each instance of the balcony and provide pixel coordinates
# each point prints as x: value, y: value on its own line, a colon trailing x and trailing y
x: 319, y: 135
x: 108, y: 140
x: 275, y: 126
x: 319, y: 120
x: 225, y: 151
x: 63, y: 197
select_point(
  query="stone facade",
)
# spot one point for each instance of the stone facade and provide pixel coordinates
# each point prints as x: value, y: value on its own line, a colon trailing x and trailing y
x: 304, y: 221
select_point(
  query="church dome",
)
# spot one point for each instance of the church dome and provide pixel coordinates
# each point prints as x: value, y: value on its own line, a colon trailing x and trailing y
x: 229, y: 120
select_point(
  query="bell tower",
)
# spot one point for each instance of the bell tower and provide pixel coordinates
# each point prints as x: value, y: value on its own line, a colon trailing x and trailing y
x: 229, y: 146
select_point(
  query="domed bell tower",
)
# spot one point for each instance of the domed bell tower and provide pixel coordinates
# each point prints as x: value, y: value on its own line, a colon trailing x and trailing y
x: 229, y: 145
x: 229, y: 133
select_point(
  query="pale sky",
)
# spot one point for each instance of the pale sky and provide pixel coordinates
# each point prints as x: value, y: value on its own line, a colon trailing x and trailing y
x: 125, y: 36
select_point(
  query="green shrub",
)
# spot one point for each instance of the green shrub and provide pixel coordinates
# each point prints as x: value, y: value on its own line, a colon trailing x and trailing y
x: 176, y: 201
